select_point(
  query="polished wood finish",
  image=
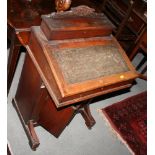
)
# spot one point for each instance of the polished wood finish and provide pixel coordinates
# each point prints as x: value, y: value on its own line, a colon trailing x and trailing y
x: 59, y: 28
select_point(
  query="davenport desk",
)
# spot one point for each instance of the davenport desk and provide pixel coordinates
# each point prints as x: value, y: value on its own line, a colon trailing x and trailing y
x: 71, y: 58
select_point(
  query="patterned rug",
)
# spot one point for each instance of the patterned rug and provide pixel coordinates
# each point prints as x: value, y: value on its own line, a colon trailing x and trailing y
x: 128, y: 120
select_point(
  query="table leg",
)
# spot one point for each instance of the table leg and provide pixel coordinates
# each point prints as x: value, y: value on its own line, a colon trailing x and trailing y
x: 34, y: 141
x: 84, y: 110
x: 86, y: 114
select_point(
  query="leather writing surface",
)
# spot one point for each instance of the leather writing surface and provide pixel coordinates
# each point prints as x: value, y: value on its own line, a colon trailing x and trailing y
x: 87, y: 63
x: 66, y: 93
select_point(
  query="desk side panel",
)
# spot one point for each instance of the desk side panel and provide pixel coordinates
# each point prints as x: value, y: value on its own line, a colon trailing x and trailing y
x: 28, y: 89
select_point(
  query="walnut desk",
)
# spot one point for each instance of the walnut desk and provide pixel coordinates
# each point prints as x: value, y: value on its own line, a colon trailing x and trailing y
x: 71, y: 58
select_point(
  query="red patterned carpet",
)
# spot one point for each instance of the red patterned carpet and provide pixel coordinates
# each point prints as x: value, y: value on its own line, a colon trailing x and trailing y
x: 128, y: 119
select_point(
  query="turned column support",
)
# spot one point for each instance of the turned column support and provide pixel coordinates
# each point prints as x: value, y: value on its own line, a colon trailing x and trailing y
x: 84, y: 110
x: 29, y: 128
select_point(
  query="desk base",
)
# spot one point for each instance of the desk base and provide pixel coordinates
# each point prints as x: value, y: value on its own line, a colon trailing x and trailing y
x: 35, y: 106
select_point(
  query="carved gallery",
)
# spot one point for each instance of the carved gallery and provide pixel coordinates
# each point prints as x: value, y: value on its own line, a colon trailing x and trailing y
x: 77, y: 76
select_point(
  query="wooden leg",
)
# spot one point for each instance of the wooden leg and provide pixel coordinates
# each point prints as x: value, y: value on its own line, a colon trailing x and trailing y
x: 133, y: 53
x: 29, y: 128
x: 125, y: 20
x: 86, y: 114
x: 12, y: 62
x: 103, y: 4
x: 34, y: 140
x: 141, y: 63
x: 144, y: 70
x: 84, y: 110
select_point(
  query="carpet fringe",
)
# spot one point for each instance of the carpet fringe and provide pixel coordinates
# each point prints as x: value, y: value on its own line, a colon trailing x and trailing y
x: 115, y: 133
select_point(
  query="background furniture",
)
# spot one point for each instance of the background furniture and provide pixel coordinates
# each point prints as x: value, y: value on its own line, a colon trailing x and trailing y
x: 19, y: 22
x: 129, y: 17
x: 141, y: 46
x: 122, y: 15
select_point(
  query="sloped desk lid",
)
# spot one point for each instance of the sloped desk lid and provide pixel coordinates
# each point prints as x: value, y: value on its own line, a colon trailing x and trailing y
x: 80, y: 68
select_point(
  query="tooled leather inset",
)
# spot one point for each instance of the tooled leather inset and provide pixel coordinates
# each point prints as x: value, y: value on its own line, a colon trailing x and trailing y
x: 82, y: 64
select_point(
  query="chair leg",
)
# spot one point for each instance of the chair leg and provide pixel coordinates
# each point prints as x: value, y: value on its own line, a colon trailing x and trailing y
x: 103, y: 4
x: 141, y: 63
x: 84, y: 110
x: 86, y: 114
x: 134, y: 52
x: 123, y: 23
x: 144, y: 70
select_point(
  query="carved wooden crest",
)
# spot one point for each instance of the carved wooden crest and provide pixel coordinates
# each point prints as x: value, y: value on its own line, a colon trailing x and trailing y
x: 62, y: 5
